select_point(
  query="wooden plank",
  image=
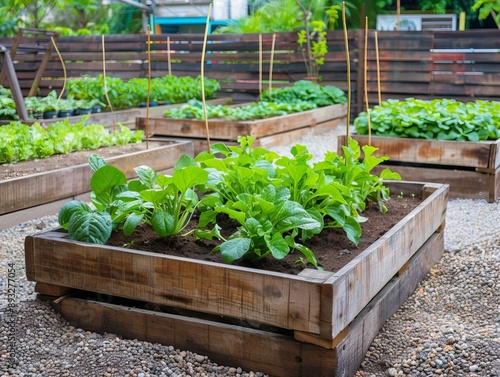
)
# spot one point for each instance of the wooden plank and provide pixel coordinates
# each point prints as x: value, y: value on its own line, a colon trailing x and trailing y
x: 52, y: 290
x: 231, y: 130
x: 495, y: 155
x: 362, y: 278
x: 497, y: 187
x: 275, y: 299
x: 277, y: 355
x: 441, y: 152
x: 11, y: 219
x: 366, y: 326
x: 35, y: 189
x: 464, y: 184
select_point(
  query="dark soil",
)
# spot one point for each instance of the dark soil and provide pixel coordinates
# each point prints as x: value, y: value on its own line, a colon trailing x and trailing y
x: 332, y: 248
x: 60, y: 161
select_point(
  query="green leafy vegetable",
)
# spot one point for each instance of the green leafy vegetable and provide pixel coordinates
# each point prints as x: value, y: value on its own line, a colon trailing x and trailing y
x: 276, y: 202
x: 304, y: 95
x: 441, y: 119
x: 125, y: 94
x: 305, y: 91
x: 20, y: 142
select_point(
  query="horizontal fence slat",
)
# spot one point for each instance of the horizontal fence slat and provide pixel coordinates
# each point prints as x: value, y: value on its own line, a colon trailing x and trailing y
x: 423, y: 64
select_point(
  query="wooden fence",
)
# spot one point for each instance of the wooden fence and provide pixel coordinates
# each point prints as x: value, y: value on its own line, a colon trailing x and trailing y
x: 461, y: 65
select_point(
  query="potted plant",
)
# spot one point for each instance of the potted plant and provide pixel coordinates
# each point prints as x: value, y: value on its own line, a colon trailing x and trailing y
x: 96, y: 105
x: 7, y: 108
x: 82, y: 107
x: 34, y: 107
x: 66, y: 107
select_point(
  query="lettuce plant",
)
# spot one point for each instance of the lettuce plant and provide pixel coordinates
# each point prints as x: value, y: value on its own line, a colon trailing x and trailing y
x: 167, y: 203
x: 20, y: 142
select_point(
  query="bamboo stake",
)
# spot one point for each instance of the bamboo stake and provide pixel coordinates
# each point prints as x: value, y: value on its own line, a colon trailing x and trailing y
x: 366, y: 85
x: 398, y: 15
x: 149, y: 88
x: 378, y: 70
x: 348, y: 61
x: 260, y: 65
x: 271, y: 62
x: 105, y: 85
x: 203, y: 76
x: 169, y: 62
x: 63, y: 67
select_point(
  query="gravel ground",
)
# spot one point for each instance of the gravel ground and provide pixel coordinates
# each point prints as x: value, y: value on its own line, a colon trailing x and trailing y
x: 449, y: 326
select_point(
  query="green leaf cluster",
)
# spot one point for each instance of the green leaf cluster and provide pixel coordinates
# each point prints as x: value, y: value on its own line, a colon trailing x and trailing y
x: 126, y: 94
x: 277, y: 202
x: 20, y: 142
x: 441, y: 119
x: 305, y: 91
x: 8, y: 108
x: 303, y: 95
x: 165, y: 202
x: 256, y: 187
x: 256, y: 110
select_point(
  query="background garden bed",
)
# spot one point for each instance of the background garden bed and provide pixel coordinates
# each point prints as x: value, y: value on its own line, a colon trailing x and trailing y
x: 267, y: 132
x: 43, y: 192
x: 472, y: 169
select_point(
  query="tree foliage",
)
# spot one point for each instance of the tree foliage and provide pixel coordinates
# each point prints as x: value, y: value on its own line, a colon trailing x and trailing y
x: 487, y: 8
x: 69, y: 17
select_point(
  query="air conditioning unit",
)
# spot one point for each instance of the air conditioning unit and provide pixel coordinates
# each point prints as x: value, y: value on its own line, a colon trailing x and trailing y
x: 417, y: 22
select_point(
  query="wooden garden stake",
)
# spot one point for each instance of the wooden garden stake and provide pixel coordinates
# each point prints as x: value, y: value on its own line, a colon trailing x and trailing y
x: 348, y: 62
x: 63, y: 67
x: 378, y: 69
x: 149, y: 88
x: 203, y: 76
x: 169, y: 62
x: 260, y: 65
x: 398, y: 15
x: 271, y: 62
x: 366, y: 83
x: 104, y: 80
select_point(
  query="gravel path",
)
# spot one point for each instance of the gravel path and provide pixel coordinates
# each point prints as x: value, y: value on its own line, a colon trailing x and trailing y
x: 449, y: 326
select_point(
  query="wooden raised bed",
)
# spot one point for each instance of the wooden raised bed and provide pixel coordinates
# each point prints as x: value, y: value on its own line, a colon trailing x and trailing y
x: 267, y: 132
x: 472, y: 169
x: 36, y: 195
x: 327, y: 320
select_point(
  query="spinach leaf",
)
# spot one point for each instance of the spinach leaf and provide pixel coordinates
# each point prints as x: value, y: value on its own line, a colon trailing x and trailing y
x: 440, y: 119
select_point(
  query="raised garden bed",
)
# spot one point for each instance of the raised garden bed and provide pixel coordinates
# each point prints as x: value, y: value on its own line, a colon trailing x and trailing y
x: 39, y: 194
x: 267, y: 132
x: 472, y: 169
x: 326, y: 320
